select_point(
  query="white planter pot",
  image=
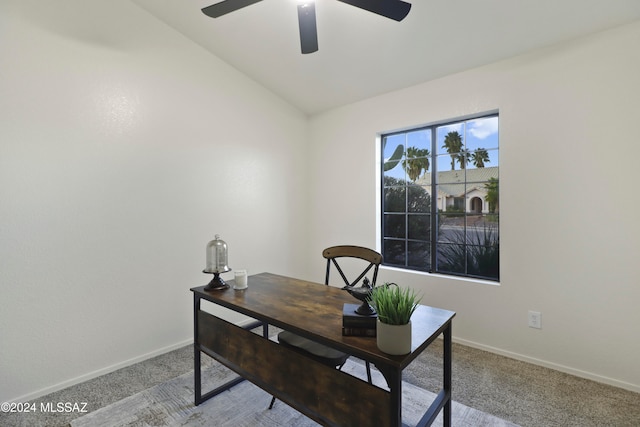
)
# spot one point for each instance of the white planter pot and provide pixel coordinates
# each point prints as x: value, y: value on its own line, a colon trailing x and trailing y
x: 394, y: 339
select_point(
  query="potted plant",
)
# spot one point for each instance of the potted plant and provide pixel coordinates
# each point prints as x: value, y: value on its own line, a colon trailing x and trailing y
x: 394, y: 306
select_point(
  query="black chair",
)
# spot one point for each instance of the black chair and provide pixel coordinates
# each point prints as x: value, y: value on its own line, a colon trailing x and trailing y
x: 320, y: 352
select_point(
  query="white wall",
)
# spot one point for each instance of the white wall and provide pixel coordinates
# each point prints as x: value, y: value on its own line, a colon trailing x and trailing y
x: 123, y: 149
x: 568, y: 174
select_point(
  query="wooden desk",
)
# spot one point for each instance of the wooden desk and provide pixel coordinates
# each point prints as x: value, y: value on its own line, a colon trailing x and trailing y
x: 312, y: 310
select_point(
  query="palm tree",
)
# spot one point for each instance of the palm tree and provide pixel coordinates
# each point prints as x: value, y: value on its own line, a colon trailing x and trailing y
x: 417, y: 161
x: 464, y: 157
x: 492, y: 194
x: 453, y: 145
x: 479, y: 157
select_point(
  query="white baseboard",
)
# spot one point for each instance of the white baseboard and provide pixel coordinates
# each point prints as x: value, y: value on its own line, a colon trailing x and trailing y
x: 91, y: 375
x: 99, y: 372
x: 512, y: 355
x: 551, y: 365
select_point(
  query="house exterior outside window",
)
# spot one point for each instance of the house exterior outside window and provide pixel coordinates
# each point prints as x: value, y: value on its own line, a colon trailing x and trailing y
x: 440, y: 204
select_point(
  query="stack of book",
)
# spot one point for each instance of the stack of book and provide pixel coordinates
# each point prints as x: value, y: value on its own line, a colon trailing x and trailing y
x: 355, y: 324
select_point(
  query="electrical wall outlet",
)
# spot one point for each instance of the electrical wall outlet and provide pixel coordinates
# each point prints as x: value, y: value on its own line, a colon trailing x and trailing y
x: 535, y: 319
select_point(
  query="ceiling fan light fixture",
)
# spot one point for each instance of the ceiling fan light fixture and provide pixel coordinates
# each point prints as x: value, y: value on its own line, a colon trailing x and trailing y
x: 392, y: 9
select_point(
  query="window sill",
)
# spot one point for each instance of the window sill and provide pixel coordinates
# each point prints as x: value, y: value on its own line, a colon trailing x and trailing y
x: 441, y: 276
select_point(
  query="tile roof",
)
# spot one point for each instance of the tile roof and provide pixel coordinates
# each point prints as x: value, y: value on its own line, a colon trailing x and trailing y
x: 450, y: 182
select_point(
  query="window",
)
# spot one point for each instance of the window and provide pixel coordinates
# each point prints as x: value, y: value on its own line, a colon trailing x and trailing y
x: 440, y: 205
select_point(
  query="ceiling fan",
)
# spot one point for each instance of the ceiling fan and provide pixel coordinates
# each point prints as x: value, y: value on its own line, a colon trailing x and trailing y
x: 392, y: 9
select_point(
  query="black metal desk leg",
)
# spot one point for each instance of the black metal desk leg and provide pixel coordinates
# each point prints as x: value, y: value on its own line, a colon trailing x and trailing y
x: 394, y: 381
x: 197, y: 386
x: 447, y: 376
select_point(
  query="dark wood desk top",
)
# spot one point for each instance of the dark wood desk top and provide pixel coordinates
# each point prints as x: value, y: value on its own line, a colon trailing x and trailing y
x: 314, y: 311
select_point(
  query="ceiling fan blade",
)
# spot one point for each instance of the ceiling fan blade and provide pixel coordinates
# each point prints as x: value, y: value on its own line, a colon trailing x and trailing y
x: 226, y: 6
x: 308, y: 29
x: 392, y: 9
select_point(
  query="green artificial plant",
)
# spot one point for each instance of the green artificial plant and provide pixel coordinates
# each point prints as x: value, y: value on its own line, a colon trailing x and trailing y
x: 394, y: 304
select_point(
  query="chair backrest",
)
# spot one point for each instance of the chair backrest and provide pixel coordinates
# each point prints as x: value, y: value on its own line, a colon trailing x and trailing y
x: 348, y: 251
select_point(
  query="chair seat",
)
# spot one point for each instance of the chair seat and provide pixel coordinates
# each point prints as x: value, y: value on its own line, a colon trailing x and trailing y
x: 319, y: 352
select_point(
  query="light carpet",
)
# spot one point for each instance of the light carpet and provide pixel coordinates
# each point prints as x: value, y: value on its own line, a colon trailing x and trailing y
x: 246, y: 405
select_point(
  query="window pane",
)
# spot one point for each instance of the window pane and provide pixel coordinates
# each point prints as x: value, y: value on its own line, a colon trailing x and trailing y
x: 395, y: 199
x: 420, y: 139
x: 419, y: 227
x: 393, y: 252
x: 483, y: 175
x: 482, y: 158
x: 450, y: 138
x: 482, y: 233
x: 492, y: 195
x: 494, y: 158
x: 415, y: 166
x: 451, y: 258
x: 482, y: 133
x: 446, y: 174
x: 451, y: 228
x: 419, y: 255
x: 390, y: 144
x: 484, y: 261
x: 393, y: 156
x: 394, y: 225
x: 480, y: 222
x: 452, y: 197
x: 419, y: 199
x: 395, y: 171
x: 418, y: 154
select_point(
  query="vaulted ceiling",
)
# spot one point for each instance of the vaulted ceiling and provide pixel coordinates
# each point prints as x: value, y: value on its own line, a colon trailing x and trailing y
x: 362, y: 54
